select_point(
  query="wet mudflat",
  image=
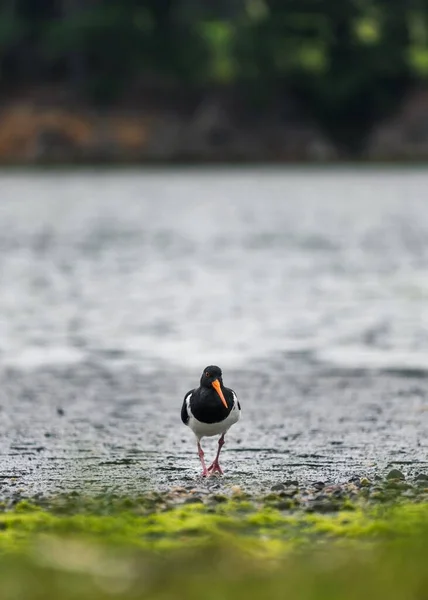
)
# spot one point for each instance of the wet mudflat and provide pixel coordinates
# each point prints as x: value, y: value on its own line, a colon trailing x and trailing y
x: 96, y: 430
x: 309, y: 289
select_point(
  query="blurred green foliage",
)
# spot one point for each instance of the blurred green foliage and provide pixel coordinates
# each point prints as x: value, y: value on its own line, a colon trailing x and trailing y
x: 129, y: 548
x: 347, y: 62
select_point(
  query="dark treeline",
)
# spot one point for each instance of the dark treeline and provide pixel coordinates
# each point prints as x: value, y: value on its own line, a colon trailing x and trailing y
x: 347, y: 62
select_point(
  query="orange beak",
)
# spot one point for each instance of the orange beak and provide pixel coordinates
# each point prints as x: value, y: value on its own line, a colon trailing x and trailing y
x: 216, y: 386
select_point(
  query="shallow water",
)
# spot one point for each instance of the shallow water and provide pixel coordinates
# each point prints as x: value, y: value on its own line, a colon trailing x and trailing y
x: 308, y: 287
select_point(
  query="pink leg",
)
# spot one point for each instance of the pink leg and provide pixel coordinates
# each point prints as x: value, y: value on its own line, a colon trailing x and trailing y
x: 201, y: 458
x: 215, y: 467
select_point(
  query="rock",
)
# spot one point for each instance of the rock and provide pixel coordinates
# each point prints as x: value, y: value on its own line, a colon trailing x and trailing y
x: 321, y: 506
x: 421, y: 477
x: 321, y: 498
x: 319, y: 485
x: 364, y: 482
x: 178, y: 490
x: 277, y: 487
x: 354, y: 479
x: 288, y: 493
x: 219, y: 498
x: 193, y: 500
x: 272, y: 497
x: 291, y: 482
x: 395, y: 474
x: 285, y: 504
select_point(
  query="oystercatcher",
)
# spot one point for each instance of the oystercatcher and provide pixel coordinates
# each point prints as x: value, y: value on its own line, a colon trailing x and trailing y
x: 208, y: 410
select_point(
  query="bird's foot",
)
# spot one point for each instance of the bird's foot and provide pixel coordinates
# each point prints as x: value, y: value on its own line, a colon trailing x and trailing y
x: 205, y: 473
x: 215, y: 468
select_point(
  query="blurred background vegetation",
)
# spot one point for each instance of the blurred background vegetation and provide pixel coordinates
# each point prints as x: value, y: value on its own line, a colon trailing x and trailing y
x: 346, y: 63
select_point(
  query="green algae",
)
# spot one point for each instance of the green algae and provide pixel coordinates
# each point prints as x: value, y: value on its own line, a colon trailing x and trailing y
x: 148, y: 523
x: 75, y: 547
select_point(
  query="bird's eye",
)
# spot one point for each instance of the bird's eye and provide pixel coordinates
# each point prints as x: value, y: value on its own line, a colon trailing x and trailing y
x: 207, y: 374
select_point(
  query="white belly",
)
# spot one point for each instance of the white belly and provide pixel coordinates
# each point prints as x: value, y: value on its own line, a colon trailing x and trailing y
x: 209, y: 429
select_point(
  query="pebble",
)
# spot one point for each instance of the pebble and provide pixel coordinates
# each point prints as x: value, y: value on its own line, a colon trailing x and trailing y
x: 319, y: 485
x: 193, y: 500
x: 288, y: 493
x: 355, y: 479
x: 283, y: 495
x: 395, y: 474
x: 321, y: 506
x: 278, y: 487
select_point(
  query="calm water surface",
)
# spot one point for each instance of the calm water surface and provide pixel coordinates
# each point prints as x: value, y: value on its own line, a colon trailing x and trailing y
x: 309, y: 288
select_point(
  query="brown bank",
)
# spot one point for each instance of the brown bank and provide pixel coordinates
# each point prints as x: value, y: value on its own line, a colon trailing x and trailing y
x: 45, y: 129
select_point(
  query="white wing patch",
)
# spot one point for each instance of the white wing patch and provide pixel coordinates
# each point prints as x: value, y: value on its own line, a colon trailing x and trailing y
x: 187, y: 401
x: 235, y: 402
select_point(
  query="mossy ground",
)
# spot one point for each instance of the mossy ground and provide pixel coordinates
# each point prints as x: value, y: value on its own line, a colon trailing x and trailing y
x: 221, y: 547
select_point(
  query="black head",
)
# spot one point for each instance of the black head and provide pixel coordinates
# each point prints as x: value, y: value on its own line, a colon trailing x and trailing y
x: 210, y: 374
x: 212, y: 378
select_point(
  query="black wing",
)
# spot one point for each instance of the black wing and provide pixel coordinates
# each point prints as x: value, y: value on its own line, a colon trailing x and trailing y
x: 184, y: 414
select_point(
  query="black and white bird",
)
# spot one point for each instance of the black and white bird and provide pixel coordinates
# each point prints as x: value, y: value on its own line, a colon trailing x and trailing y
x: 208, y: 410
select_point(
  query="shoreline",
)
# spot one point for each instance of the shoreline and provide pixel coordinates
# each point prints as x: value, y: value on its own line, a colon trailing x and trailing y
x: 47, y: 127
x: 202, y: 166
x: 287, y: 494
